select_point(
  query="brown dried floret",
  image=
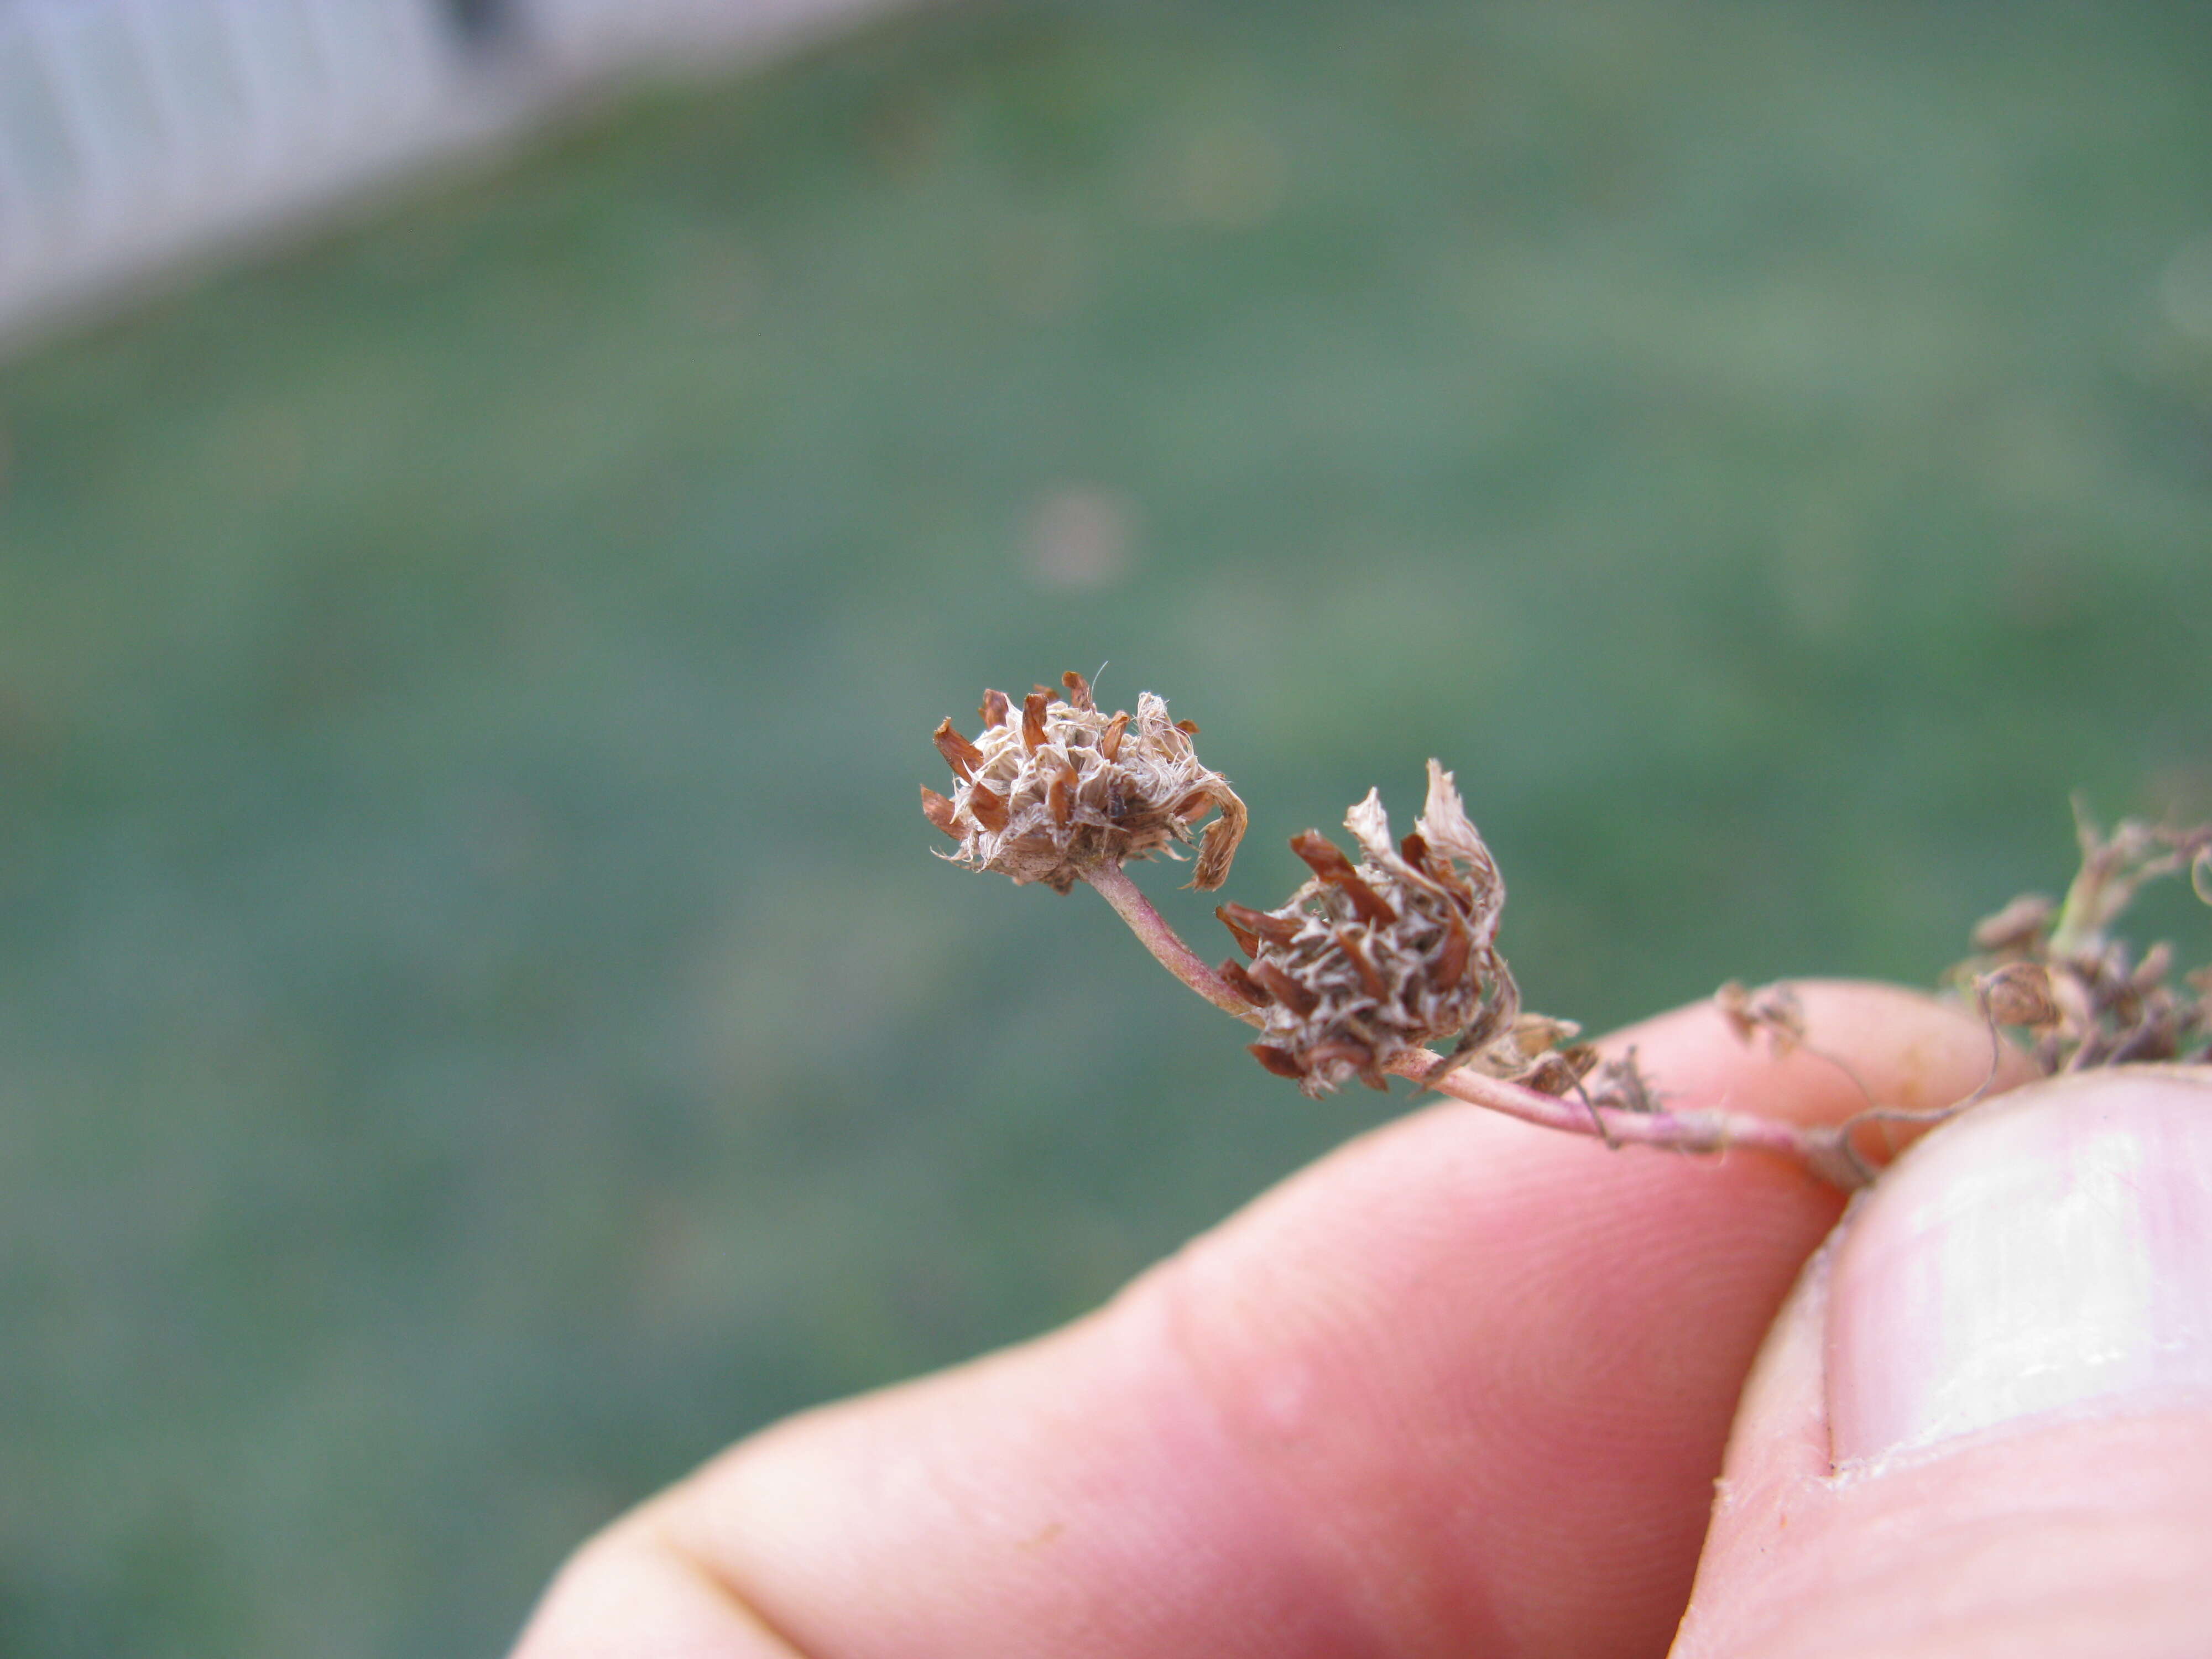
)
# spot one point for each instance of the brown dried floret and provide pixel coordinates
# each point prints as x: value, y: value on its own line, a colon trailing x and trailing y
x: 1773, y: 1009
x: 1054, y: 788
x: 2082, y: 996
x: 1366, y: 962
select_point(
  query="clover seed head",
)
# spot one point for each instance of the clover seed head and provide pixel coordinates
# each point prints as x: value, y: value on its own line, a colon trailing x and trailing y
x: 1056, y: 786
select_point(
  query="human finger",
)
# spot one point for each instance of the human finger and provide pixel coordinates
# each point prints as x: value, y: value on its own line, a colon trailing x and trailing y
x: 1985, y: 1423
x: 1460, y: 1388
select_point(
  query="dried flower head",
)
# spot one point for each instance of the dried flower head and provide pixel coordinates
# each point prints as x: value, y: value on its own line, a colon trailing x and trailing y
x: 1056, y: 788
x: 1773, y: 1009
x: 2082, y: 996
x: 1367, y: 961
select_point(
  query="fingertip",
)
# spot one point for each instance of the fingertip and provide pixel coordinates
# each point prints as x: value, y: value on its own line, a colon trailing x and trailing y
x: 1983, y: 1420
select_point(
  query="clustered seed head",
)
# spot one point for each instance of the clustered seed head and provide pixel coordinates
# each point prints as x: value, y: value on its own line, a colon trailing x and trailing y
x: 1367, y: 961
x: 2082, y: 998
x: 1054, y: 788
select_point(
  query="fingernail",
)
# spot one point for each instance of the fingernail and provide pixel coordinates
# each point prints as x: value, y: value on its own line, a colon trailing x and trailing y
x: 2051, y: 1248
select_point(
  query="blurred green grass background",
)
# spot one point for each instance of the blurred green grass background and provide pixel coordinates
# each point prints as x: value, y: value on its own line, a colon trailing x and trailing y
x: 480, y: 1026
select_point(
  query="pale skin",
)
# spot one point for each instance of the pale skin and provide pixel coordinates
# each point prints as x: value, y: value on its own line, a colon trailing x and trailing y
x: 1461, y: 1388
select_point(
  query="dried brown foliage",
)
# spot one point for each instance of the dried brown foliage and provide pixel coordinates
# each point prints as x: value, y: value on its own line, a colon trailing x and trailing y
x: 2079, y: 996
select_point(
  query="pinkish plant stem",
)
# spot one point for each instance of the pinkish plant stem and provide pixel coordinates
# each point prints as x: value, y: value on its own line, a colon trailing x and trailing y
x: 1824, y: 1149
x: 1153, y: 933
x: 1827, y: 1151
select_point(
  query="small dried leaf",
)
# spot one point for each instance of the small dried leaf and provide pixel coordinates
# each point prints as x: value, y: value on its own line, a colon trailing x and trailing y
x: 995, y: 708
x: 1280, y: 1061
x: 1078, y: 690
x: 1110, y: 745
x: 1535, y: 1034
x: 2018, y: 926
x: 1033, y: 709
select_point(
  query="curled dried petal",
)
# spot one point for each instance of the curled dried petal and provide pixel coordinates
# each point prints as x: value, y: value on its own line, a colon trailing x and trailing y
x: 1370, y: 826
x: 1033, y: 726
x: 1079, y: 692
x: 1248, y: 924
x: 995, y: 708
x: 961, y: 756
x: 1218, y: 850
x: 1243, y: 984
x: 938, y: 811
x: 1326, y: 859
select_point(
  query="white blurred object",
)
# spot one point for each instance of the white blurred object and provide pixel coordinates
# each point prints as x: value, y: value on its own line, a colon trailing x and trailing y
x: 135, y: 135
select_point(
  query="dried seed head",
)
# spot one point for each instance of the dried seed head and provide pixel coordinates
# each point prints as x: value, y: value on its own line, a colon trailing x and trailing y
x: 2078, y: 992
x: 2019, y: 993
x: 1773, y: 1009
x: 1367, y: 961
x: 1053, y: 788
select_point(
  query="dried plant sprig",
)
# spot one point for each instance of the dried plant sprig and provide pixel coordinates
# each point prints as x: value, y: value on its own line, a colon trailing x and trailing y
x: 1368, y: 964
x: 1058, y: 788
x: 2080, y: 997
x: 1620, y: 1103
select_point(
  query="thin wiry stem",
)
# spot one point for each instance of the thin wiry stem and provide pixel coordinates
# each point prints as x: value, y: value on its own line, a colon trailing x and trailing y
x: 1826, y: 1151
x: 1154, y: 933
